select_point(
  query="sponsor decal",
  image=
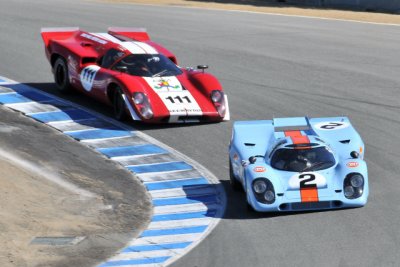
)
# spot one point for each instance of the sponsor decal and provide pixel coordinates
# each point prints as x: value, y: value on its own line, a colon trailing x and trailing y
x: 176, y: 99
x: 352, y: 164
x: 259, y: 169
x: 165, y: 83
x: 331, y: 125
x: 87, y: 76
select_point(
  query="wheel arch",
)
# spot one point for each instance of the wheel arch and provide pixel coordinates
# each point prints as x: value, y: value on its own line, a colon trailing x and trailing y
x: 54, y: 57
x: 111, y: 90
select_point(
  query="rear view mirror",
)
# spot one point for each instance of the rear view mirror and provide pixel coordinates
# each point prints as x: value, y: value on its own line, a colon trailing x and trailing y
x: 354, y: 154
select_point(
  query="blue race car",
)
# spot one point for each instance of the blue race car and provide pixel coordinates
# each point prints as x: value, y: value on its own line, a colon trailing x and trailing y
x: 295, y: 164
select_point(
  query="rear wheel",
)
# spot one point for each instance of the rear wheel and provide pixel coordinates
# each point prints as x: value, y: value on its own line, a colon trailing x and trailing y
x: 119, y: 105
x: 61, y: 75
x: 234, y: 182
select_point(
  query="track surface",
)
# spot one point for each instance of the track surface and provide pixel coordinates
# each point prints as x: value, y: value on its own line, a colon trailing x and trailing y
x: 269, y: 66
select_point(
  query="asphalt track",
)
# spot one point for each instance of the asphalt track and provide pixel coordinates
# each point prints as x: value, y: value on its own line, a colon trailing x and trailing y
x: 269, y: 66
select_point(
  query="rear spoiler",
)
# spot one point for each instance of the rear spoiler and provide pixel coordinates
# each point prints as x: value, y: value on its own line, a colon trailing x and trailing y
x: 129, y: 34
x: 291, y: 124
x: 57, y: 33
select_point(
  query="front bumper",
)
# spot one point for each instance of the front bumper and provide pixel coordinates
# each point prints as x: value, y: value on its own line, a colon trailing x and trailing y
x: 283, y: 204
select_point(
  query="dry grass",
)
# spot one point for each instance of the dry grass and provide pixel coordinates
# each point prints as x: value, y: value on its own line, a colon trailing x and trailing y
x: 273, y: 7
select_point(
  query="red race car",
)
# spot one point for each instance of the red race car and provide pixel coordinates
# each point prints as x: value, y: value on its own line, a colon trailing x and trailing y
x: 138, y: 77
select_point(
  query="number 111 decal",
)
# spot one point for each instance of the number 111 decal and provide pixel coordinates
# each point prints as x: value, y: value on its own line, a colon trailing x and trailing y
x: 179, y: 99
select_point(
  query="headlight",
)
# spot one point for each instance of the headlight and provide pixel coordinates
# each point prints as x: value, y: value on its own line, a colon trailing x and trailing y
x: 348, y: 191
x: 142, y: 105
x: 138, y: 98
x: 269, y: 195
x: 356, y: 181
x: 217, y: 97
x: 146, y: 112
x: 259, y: 186
x: 353, y: 185
x: 264, y: 191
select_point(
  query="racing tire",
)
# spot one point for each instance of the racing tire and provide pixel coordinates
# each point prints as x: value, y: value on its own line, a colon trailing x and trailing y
x: 249, y: 208
x: 119, y: 105
x: 236, y: 185
x: 61, y: 75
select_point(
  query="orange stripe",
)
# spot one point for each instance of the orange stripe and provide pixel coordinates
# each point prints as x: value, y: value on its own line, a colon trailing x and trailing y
x: 309, y: 194
x: 298, y: 138
x: 293, y: 133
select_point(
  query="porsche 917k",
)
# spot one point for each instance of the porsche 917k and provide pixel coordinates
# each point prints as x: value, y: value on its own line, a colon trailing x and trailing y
x: 293, y: 164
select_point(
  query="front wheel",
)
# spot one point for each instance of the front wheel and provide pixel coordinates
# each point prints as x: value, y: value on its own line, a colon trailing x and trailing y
x: 119, y: 105
x: 234, y: 182
x: 61, y: 75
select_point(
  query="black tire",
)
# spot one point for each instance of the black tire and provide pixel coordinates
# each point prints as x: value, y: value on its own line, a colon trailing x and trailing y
x: 249, y: 208
x: 61, y: 75
x: 236, y: 185
x: 119, y: 105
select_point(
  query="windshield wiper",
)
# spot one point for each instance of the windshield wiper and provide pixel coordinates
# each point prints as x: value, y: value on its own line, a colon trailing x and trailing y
x: 314, y: 165
x: 160, y: 73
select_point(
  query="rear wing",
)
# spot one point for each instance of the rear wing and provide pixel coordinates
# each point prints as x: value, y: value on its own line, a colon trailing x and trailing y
x: 57, y: 33
x: 129, y: 34
x: 291, y: 124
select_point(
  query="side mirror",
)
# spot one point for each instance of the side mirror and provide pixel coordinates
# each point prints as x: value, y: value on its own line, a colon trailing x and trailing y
x: 252, y: 159
x: 123, y: 69
x: 354, y: 154
x: 202, y: 67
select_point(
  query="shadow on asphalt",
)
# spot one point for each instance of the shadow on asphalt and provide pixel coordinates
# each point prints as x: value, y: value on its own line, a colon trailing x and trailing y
x: 238, y: 209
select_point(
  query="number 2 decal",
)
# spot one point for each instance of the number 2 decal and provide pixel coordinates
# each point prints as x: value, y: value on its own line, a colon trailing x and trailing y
x: 331, y: 125
x: 309, y: 177
x: 178, y: 98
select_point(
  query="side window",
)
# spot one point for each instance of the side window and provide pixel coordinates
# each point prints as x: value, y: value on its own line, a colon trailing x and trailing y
x: 110, y: 57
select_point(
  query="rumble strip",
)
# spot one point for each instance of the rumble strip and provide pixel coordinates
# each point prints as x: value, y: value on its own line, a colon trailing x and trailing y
x: 188, y: 201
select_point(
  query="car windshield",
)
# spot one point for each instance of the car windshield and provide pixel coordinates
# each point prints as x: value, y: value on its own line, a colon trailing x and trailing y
x: 147, y: 65
x: 299, y: 160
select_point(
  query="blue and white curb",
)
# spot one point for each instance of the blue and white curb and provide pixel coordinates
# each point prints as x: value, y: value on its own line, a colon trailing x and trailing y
x: 188, y: 200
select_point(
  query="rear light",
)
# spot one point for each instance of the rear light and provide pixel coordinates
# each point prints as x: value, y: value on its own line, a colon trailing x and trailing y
x: 143, y: 105
x: 218, y: 99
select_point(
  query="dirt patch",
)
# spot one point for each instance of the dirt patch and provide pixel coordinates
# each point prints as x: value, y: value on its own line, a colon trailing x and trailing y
x: 35, y: 207
x: 53, y: 186
x: 274, y: 7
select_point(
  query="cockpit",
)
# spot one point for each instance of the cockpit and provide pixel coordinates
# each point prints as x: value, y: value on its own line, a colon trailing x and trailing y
x: 302, y: 157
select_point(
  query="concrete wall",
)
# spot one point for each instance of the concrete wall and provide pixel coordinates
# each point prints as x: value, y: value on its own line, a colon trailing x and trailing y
x: 378, y: 5
x: 370, y: 5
